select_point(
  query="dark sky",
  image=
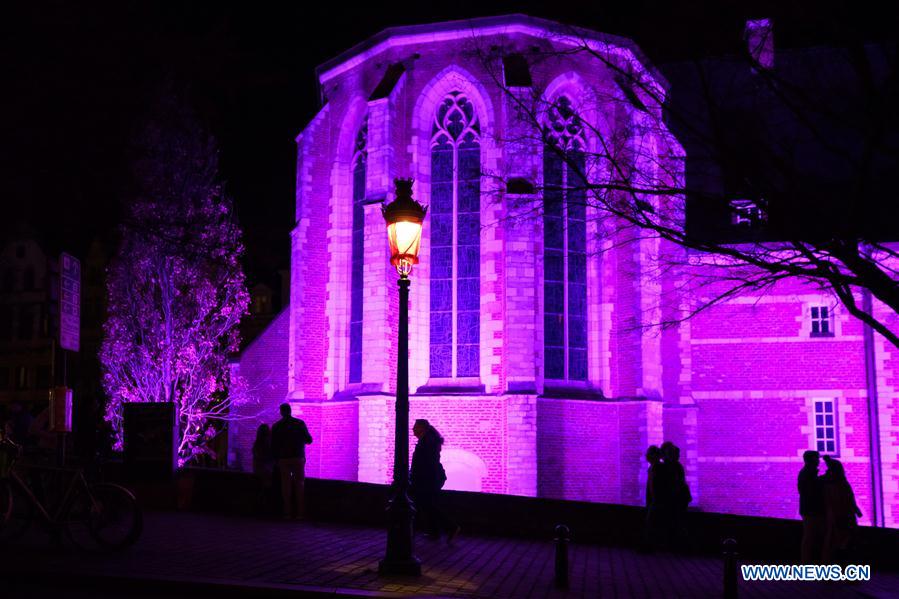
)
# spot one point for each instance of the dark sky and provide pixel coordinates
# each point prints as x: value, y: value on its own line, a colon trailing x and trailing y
x: 79, y: 77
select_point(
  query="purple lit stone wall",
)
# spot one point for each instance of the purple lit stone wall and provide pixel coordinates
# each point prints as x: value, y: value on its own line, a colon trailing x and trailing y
x: 264, y: 363
x: 735, y: 387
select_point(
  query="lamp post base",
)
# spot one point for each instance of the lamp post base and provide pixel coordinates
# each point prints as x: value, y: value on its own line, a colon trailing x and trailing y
x: 400, y: 559
x: 407, y: 567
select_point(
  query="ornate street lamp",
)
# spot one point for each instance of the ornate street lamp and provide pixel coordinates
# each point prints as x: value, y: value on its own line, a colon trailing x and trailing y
x: 404, y: 218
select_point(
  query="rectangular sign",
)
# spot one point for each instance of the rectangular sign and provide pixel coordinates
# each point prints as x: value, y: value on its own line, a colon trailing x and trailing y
x: 151, y: 438
x: 61, y: 410
x: 69, y: 302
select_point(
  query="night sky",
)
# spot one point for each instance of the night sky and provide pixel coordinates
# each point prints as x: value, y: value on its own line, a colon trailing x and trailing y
x: 79, y: 78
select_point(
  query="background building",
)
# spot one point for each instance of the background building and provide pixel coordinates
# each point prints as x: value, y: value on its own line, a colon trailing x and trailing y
x: 26, y: 303
x: 31, y: 362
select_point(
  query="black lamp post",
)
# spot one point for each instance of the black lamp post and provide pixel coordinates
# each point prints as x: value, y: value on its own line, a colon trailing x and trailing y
x: 404, y: 218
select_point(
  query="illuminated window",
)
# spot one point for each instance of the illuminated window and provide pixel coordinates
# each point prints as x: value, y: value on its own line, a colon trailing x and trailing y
x: 565, y: 246
x: 455, y: 214
x: 358, y: 259
x: 21, y: 377
x: 822, y: 321
x: 825, y: 426
x: 746, y: 213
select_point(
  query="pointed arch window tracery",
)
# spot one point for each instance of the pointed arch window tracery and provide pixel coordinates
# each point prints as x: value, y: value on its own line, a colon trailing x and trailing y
x: 565, y: 245
x: 455, y: 238
x: 357, y: 261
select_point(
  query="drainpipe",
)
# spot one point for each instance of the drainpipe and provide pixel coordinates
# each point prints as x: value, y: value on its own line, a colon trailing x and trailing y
x: 873, y: 415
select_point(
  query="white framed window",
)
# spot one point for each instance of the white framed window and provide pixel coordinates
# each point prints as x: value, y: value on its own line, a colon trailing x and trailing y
x: 825, y: 430
x: 821, y: 321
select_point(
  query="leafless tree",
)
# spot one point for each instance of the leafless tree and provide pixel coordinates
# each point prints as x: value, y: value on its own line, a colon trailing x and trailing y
x: 760, y: 172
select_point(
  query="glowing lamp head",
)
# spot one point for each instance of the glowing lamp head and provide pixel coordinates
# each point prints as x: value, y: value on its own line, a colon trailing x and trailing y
x: 404, y: 218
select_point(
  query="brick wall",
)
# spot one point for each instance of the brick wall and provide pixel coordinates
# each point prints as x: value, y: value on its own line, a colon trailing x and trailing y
x: 339, y: 458
x: 263, y: 365
x: 756, y: 371
x: 593, y: 450
x: 521, y: 461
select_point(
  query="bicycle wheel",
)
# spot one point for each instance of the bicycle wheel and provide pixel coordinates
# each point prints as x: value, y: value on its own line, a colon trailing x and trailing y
x: 18, y: 510
x: 5, y: 502
x: 113, y: 518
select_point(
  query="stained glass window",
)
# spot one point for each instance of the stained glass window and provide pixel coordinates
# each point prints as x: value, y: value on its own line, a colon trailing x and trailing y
x: 565, y: 246
x: 455, y: 239
x: 358, y: 255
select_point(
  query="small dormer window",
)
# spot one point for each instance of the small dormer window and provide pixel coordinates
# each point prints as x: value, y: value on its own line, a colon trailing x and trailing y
x: 746, y: 213
x: 519, y: 186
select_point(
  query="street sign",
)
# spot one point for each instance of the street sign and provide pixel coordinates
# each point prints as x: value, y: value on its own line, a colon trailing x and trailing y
x: 69, y: 302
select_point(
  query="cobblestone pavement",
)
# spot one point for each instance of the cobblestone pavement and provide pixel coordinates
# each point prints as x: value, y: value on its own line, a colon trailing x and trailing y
x: 243, y: 553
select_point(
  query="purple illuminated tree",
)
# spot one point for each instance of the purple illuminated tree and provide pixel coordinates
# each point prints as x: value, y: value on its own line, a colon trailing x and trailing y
x: 176, y: 287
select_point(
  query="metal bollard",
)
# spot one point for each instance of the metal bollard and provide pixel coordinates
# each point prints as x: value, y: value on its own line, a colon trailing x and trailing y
x: 562, y: 538
x: 730, y: 568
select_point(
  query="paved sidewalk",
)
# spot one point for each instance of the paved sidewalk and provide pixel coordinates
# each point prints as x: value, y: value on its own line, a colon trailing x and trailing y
x: 242, y: 554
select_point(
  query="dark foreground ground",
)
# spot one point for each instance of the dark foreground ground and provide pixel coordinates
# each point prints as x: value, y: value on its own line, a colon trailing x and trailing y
x: 191, y: 555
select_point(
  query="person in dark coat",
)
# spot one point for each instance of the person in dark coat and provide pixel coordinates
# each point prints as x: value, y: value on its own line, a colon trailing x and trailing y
x: 426, y: 478
x: 676, y: 494
x: 290, y: 436
x: 264, y: 466
x: 840, y: 512
x: 651, y: 525
x: 811, y: 508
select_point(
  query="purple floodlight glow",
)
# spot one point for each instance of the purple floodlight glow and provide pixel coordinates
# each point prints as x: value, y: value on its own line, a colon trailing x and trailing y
x: 743, y: 388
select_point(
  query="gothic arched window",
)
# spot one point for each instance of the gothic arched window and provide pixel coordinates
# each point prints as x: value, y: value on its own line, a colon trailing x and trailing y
x: 358, y: 256
x: 565, y: 245
x: 455, y: 238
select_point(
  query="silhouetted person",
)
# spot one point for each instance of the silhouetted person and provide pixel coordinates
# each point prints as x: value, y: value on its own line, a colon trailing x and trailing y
x: 840, y: 512
x: 289, y: 440
x: 811, y: 508
x: 651, y: 524
x: 426, y: 479
x: 677, y: 493
x: 264, y: 465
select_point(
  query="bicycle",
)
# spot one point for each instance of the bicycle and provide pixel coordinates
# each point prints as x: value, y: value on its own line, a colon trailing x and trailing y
x: 108, y: 513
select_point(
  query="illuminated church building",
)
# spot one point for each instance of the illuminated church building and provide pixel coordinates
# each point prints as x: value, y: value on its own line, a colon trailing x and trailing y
x: 531, y: 345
